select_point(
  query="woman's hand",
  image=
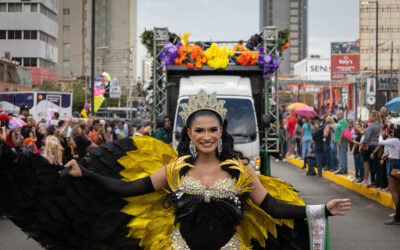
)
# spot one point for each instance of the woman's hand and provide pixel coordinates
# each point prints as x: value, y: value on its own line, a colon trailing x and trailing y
x: 338, y: 206
x: 75, y: 169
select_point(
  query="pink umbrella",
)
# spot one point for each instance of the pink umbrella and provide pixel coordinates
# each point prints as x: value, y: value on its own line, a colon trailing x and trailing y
x: 307, y: 112
x: 16, y: 123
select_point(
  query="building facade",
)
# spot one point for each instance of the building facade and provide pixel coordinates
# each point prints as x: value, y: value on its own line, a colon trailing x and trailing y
x: 146, y: 64
x: 13, y: 77
x: 292, y: 15
x: 315, y: 69
x: 28, y: 31
x: 388, y: 46
x: 73, y: 56
x: 115, y: 39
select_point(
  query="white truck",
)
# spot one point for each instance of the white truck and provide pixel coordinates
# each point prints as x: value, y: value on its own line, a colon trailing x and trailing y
x: 243, y: 90
x: 39, y: 102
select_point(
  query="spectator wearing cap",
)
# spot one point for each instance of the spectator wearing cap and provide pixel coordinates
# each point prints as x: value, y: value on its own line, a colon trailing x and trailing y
x: 164, y: 128
x: 30, y: 144
x: 23, y: 112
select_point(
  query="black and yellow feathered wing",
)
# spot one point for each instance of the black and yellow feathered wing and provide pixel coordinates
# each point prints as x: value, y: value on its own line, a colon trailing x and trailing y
x: 72, y: 213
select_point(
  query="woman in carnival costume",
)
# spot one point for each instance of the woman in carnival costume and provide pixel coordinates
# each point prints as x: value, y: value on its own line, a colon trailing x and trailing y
x: 201, y: 197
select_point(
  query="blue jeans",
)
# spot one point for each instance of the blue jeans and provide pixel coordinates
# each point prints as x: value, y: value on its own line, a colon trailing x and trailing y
x: 306, y: 146
x: 318, y: 158
x: 327, y: 156
x: 311, y: 162
x: 342, y: 156
x: 359, y: 165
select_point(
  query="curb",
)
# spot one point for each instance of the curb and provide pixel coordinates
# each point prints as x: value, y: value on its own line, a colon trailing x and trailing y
x: 382, y: 197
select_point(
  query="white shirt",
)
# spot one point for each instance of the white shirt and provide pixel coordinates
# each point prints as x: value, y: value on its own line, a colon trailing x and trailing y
x: 137, y: 134
x: 392, y: 145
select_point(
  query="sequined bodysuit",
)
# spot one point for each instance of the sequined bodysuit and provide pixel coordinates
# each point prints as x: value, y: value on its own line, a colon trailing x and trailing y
x: 208, y: 214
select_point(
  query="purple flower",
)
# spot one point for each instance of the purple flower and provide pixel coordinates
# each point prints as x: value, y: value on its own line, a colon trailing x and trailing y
x: 261, y: 50
x: 267, y: 58
x: 168, y: 54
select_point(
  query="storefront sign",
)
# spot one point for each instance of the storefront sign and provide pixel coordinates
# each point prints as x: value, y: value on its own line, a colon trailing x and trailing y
x: 385, y: 82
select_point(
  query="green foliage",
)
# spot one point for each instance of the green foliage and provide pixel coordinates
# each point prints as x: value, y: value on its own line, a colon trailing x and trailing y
x: 283, y: 38
x: 147, y: 38
x: 78, y: 92
x: 48, y: 85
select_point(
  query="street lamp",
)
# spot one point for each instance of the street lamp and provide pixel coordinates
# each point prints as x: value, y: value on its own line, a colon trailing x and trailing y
x: 376, y: 42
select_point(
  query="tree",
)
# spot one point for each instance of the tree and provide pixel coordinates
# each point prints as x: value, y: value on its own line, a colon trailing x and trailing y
x: 78, y: 92
x: 48, y: 85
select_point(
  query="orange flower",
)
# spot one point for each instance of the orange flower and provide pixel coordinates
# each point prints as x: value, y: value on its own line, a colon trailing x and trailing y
x: 198, y: 65
x: 176, y: 61
x: 181, y: 50
x: 190, y: 65
x: 203, y: 59
x: 239, y: 47
x: 285, y: 46
x: 189, y: 49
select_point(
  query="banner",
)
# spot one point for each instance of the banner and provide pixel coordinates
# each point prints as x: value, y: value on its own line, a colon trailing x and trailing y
x: 115, y: 90
x: 345, y: 59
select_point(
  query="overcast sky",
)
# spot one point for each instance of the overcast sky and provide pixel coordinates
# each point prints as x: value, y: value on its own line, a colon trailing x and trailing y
x: 328, y: 20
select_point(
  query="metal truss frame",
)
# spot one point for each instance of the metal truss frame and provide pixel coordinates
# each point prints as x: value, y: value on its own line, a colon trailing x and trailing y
x: 160, y: 38
x: 270, y: 42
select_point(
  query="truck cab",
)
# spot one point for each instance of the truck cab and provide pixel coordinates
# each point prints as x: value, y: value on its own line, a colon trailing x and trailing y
x: 242, y: 93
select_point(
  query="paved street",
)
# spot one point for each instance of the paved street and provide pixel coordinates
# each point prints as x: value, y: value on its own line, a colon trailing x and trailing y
x: 362, y: 228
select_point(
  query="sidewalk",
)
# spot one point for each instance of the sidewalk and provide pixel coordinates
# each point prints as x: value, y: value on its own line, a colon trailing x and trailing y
x: 383, y: 197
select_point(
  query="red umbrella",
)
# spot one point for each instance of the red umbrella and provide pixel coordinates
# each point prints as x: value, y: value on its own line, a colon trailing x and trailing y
x: 307, y: 112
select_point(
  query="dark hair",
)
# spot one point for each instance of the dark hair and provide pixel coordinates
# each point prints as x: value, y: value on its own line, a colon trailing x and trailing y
x: 51, y: 129
x: 396, y: 131
x: 25, y: 130
x: 227, y: 142
x: 96, y: 121
x: 61, y: 123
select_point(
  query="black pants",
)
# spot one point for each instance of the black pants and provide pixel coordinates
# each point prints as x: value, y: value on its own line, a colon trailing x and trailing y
x: 298, y: 142
x: 381, y: 175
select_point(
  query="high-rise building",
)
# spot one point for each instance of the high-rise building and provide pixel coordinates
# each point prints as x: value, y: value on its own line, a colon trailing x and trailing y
x: 73, y: 56
x: 28, y: 31
x: 146, y: 63
x: 115, y: 39
x: 292, y: 15
x: 388, y: 32
x: 388, y: 46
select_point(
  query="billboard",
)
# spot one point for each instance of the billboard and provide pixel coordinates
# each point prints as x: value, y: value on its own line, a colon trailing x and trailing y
x: 345, y: 59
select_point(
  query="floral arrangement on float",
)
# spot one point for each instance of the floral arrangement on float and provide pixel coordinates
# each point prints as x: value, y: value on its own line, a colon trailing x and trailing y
x: 178, y: 51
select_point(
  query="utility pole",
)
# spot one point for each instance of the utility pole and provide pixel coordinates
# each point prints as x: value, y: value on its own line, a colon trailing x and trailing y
x: 391, y: 69
x: 93, y: 51
x: 376, y: 46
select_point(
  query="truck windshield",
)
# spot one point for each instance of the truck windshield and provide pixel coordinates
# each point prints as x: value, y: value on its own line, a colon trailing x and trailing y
x: 240, y: 116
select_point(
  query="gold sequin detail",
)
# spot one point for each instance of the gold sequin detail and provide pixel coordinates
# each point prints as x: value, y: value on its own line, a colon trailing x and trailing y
x: 223, y: 188
x: 178, y: 242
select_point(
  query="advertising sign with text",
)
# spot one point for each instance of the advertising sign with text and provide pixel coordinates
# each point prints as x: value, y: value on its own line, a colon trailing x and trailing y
x: 345, y: 59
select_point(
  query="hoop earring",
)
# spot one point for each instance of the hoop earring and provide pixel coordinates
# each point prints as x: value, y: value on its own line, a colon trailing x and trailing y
x: 219, y: 147
x: 192, y: 149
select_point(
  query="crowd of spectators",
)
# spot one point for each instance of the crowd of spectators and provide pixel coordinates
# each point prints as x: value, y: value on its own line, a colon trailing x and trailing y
x: 326, y: 143
x: 62, y: 140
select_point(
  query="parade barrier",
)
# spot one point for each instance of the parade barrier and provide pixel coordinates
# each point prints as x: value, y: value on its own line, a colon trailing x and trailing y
x: 383, y: 197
